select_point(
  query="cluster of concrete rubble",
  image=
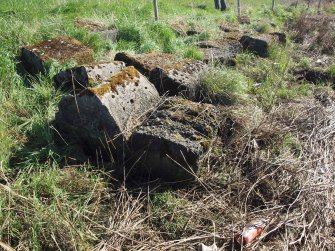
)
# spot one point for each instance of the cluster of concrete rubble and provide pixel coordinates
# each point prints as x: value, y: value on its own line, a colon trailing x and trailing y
x: 141, y: 112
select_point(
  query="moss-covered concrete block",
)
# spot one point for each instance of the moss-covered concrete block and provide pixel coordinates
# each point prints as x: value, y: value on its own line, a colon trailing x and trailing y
x: 80, y: 77
x: 220, y: 51
x: 61, y: 49
x: 172, y: 141
x: 101, y: 118
x: 146, y: 62
x: 181, y: 78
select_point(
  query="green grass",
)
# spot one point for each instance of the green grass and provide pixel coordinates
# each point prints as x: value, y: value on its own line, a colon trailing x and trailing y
x: 44, y: 206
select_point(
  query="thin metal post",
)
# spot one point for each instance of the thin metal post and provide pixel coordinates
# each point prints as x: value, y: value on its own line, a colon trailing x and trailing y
x: 156, y: 10
x: 319, y: 7
x: 273, y: 5
x: 239, y: 8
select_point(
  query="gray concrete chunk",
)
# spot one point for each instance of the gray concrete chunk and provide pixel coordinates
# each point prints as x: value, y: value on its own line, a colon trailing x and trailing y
x: 223, y: 51
x: 181, y: 78
x: 146, y: 62
x: 172, y: 141
x: 101, y: 118
x: 257, y: 45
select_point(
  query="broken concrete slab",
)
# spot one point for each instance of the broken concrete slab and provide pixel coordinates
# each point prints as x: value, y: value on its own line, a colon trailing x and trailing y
x: 78, y: 78
x: 173, y: 139
x: 181, y: 78
x: 146, y: 62
x: 93, y: 26
x: 101, y: 118
x: 62, y: 49
x: 257, y: 45
x: 170, y: 74
x: 223, y: 51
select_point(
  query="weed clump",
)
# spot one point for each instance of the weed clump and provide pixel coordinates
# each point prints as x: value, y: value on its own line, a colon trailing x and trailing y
x: 224, y: 85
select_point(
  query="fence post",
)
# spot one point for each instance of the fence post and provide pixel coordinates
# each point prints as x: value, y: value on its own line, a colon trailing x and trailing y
x: 319, y: 7
x: 239, y: 8
x: 156, y: 10
x: 273, y: 5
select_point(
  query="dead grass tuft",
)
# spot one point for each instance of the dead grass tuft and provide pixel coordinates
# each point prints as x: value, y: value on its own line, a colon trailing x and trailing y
x: 316, y: 33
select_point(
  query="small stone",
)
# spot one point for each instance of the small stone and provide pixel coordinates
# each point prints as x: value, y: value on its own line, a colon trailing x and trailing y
x: 61, y: 49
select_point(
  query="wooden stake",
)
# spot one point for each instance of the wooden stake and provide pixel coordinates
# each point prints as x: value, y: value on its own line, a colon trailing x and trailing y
x: 238, y: 8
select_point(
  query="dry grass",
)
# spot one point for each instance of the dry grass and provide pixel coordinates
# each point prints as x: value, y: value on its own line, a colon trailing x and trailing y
x: 315, y: 33
x: 278, y: 166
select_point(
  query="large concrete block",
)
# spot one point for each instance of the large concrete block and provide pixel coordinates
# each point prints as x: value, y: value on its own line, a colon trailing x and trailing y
x: 80, y: 77
x: 258, y: 45
x: 223, y: 51
x: 61, y: 49
x: 100, y: 119
x: 172, y: 141
x: 146, y: 62
x: 181, y: 78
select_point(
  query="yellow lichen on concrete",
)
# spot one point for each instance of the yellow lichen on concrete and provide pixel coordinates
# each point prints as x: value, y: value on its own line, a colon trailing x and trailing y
x: 126, y: 76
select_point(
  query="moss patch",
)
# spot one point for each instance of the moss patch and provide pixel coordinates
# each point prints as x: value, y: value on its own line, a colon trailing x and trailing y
x: 62, y: 48
x: 128, y: 75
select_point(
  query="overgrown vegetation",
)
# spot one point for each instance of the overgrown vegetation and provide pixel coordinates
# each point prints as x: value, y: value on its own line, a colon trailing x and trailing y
x: 278, y: 165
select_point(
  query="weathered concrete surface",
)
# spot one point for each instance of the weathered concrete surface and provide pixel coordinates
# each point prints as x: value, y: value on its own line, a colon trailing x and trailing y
x: 61, y: 49
x: 257, y: 45
x: 223, y: 51
x: 101, y: 118
x: 106, y: 33
x: 145, y: 63
x: 181, y: 78
x: 172, y: 141
x: 80, y: 77
x: 170, y: 74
